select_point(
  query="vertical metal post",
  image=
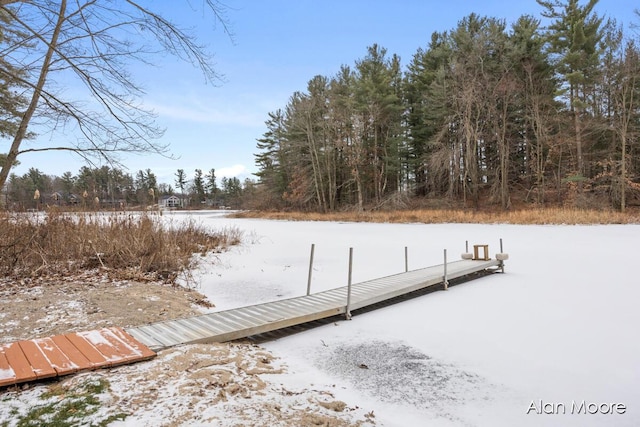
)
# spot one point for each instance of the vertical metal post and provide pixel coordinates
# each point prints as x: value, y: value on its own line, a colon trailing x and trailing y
x: 445, y: 281
x: 466, y: 246
x: 348, y: 310
x: 501, y: 262
x: 313, y: 246
x: 406, y: 259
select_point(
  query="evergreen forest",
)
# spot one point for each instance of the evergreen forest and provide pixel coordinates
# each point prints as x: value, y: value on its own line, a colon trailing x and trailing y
x: 544, y: 111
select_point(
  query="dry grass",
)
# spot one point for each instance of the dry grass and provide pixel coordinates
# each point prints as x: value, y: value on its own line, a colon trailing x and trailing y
x: 129, y: 243
x: 434, y: 216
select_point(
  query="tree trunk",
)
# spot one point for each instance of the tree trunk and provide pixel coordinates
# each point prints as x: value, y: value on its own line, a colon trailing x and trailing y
x: 623, y: 170
x: 14, y: 150
x: 577, y: 124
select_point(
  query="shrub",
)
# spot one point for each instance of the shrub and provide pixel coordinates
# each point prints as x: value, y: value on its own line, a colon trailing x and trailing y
x: 131, y: 243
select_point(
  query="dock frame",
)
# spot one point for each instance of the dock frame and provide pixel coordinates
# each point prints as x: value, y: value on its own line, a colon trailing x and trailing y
x: 257, y: 319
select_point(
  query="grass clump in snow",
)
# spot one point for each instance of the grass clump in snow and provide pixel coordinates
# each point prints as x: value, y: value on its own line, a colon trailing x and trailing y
x: 66, y: 406
x: 132, y: 243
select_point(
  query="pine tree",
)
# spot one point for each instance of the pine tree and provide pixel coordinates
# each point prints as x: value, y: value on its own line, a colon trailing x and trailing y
x: 378, y: 103
x: 538, y: 107
x: 573, y: 36
x: 12, y: 102
x: 425, y: 97
x: 210, y: 184
x: 198, y: 186
x: 271, y: 172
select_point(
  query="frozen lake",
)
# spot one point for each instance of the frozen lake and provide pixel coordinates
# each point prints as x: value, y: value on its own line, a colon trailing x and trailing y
x: 554, y: 334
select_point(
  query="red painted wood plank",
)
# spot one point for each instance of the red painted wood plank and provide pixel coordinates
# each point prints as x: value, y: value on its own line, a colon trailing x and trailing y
x: 39, y: 363
x: 65, y: 354
x: 114, y: 355
x: 89, y: 351
x: 110, y: 342
x: 57, y: 358
x: 145, y: 352
x: 76, y: 361
x: 7, y: 374
x: 19, y: 363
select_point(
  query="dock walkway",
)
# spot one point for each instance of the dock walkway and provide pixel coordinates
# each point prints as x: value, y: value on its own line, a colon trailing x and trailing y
x: 41, y: 358
x: 260, y: 318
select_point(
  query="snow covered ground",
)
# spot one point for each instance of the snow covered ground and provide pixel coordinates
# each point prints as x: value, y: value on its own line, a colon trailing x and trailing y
x: 557, y: 333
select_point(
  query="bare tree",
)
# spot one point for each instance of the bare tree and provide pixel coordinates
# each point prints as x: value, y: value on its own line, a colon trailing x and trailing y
x: 626, y: 104
x: 90, y: 44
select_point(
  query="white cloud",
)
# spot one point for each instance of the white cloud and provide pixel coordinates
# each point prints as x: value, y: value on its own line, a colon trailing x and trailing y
x: 203, y: 114
x: 231, y: 171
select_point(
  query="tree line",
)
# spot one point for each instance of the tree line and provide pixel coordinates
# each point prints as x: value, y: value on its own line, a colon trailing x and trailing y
x: 485, y: 114
x: 109, y: 187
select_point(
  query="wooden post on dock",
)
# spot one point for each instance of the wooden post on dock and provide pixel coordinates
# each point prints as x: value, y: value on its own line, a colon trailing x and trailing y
x: 313, y: 246
x: 445, y: 281
x: 348, y: 310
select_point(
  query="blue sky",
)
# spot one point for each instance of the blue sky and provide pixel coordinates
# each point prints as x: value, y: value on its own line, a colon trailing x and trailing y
x: 277, y: 47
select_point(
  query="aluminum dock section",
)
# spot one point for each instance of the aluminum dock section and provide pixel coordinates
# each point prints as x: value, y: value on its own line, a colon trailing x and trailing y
x: 256, y: 319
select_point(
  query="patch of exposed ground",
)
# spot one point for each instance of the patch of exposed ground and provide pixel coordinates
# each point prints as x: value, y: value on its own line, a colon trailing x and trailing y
x: 51, y: 305
x: 206, y: 384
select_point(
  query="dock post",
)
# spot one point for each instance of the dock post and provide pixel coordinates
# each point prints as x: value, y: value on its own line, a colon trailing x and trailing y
x: 445, y: 281
x: 348, y: 309
x: 406, y: 259
x: 501, y: 262
x: 313, y: 246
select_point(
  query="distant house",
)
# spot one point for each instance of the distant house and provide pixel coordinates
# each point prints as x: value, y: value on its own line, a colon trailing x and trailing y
x: 170, y: 202
x: 61, y: 199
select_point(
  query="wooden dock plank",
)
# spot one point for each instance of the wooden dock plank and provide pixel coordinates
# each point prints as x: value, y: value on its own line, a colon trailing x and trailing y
x: 7, y: 374
x: 52, y: 348
x: 19, y: 363
x: 82, y: 358
x: 115, y: 350
x: 39, y: 362
x: 59, y: 355
x: 142, y: 350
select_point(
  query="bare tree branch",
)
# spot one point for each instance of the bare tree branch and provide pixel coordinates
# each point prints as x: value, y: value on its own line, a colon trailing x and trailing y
x: 94, y: 43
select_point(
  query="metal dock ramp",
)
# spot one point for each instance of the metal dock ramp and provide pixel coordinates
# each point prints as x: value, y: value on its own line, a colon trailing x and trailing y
x: 257, y: 319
